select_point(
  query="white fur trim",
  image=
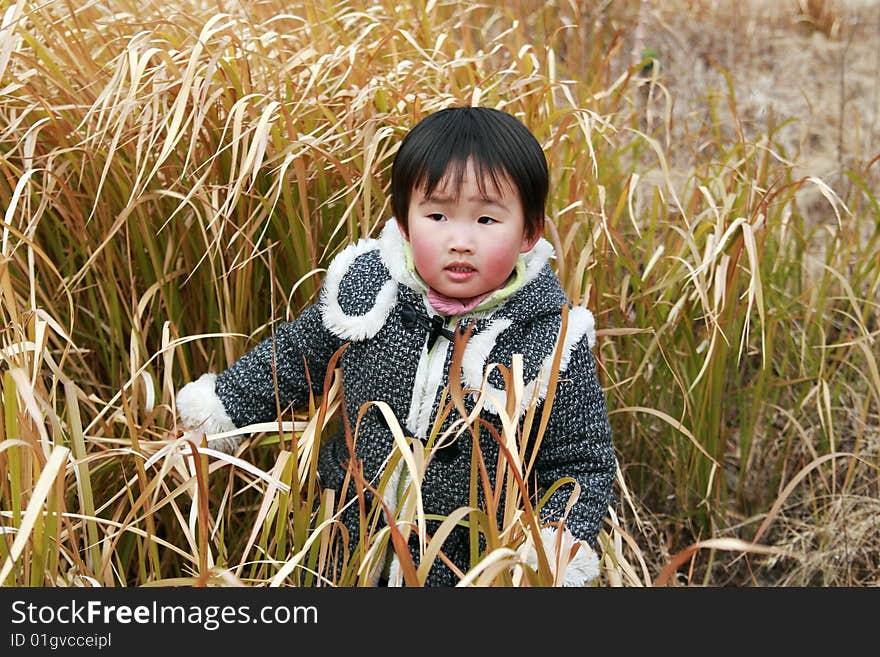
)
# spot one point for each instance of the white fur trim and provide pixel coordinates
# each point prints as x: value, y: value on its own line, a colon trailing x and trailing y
x: 473, y: 362
x: 580, y: 571
x: 391, y: 498
x: 580, y: 324
x: 418, y: 390
x: 354, y: 327
x: 536, y: 258
x: 395, y: 577
x: 201, y: 411
x: 479, y: 347
x: 393, y: 253
x: 429, y: 378
x: 200, y: 408
x: 390, y: 495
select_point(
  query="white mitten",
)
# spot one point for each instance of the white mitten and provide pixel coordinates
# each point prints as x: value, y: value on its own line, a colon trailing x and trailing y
x: 582, y: 569
x: 201, y: 412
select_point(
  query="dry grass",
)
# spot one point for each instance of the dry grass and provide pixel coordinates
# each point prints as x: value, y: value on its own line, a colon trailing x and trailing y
x: 162, y: 162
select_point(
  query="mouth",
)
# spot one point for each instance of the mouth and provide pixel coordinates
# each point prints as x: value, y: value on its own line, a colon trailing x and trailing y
x: 459, y: 272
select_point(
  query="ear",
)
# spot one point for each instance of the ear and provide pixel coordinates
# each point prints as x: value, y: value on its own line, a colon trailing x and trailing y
x: 402, y: 228
x: 528, y: 243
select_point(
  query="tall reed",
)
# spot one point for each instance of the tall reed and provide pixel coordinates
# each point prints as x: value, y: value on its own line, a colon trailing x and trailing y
x: 175, y: 180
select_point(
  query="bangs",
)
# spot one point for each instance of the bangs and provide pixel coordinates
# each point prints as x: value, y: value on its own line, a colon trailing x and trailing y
x: 449, y: 175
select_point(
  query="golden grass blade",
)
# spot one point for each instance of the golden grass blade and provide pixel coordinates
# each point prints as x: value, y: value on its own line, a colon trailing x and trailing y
x: 8, y: 41
x: 26, y: 393
x: 183, y: 445
x: 498, y: 560
x: 415, y: 473
x: 294, y: 562
x: 166, y: 352
x: 873, y: 369
x: 8, y: 443
x: 306, y: 444
x: 197, y: 160
x: 729, y: 544
x: 791, y: 485
x: 177, y: 110
x: 54, y: 466
x: 269, y: 498
x: 675, y: 424
x: 14, y: 458
x: 755, y: 292
x: 83, y: 478
x: 853, y: 300
x: 9, y: 214
x: 137, y: 531
x: 612, y: 551
x: 438, y: 539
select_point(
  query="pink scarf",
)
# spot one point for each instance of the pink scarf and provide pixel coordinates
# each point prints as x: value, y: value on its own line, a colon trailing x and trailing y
x: 453, y: 306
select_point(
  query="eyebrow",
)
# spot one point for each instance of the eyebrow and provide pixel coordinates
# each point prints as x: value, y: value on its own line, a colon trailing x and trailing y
x: 443, y: 198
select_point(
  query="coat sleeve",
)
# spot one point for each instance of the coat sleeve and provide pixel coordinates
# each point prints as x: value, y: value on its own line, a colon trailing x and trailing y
x: 577, y: 444
x: 245, y: 393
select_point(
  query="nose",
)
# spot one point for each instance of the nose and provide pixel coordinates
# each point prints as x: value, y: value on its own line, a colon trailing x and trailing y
x: 461, y: 240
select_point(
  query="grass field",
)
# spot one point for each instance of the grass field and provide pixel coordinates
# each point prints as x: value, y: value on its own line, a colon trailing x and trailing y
x: 174, y: 177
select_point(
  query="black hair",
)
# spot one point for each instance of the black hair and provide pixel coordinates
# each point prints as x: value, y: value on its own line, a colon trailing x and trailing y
x: 499, y: 145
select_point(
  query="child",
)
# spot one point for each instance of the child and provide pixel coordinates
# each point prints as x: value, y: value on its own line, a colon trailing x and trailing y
x: 468, y: 190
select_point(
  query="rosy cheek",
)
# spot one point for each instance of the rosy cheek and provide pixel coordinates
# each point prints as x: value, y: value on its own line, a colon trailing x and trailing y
x: 500, y: 264
x: 422, y: 254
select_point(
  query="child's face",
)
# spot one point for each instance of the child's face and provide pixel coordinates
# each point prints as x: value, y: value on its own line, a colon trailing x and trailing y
x: 465, y: 244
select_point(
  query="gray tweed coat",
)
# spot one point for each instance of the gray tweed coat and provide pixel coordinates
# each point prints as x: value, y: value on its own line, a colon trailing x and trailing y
x: 372, y: 301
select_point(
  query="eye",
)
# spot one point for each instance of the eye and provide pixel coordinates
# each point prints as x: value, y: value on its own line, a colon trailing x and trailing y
x: 488, y: 221
x: 437, y: 216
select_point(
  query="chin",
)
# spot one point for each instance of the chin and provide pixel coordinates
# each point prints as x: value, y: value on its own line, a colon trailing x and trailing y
x: 459, y: 293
